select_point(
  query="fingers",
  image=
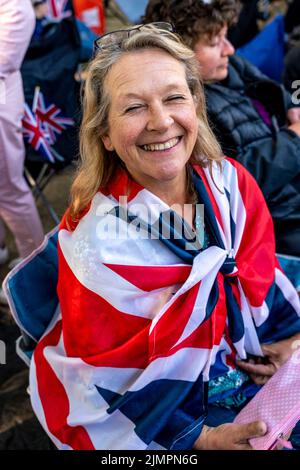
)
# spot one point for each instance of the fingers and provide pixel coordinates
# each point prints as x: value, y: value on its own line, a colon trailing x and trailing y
x: 256, y: 429
x: 257, y: 369
x: 243, y: 432
x: 268, y: 350
x: 259, y: 379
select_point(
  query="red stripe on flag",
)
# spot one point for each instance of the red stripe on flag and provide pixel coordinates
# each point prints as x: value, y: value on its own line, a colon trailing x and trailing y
x: 171, y: 325
x: 255, y: 258
x: 67, y: 223
x: 122, y: 185
x: 209, y: 333
x: 54, y: 9
x: 149, y: 278
x: 54, y: 399
x: 97, y: 332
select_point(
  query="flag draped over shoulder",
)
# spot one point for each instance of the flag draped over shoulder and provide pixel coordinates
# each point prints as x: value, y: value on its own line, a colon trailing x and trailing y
x: 145, y: 321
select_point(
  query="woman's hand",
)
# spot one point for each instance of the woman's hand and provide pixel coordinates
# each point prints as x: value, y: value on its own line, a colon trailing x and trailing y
x: 230, y: 436
x: 276, y: 354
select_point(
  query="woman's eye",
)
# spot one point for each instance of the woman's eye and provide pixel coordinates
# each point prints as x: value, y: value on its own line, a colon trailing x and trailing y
x: 176, y: 98
x: 133, y: 108
x: 216, y: 42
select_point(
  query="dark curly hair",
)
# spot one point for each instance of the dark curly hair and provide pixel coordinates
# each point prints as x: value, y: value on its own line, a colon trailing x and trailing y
x: 193, y: 19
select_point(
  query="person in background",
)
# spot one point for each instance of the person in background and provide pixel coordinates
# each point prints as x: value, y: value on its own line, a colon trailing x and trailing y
x: 17, y: 206
x: 253, y: 118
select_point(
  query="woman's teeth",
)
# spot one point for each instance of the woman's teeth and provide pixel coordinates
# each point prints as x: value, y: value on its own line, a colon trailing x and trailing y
x: 166, y: 145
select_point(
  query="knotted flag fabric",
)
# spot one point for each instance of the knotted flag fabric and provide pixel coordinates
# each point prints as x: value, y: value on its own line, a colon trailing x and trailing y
x: 146, y: 320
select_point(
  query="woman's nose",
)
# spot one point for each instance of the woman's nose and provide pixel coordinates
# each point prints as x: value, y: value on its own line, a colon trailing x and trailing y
x: 228, y: 48
x: 159, y: 119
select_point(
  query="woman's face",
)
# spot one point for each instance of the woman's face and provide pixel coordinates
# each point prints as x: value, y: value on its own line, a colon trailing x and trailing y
x: 152, y: 119
x: 212, y: 55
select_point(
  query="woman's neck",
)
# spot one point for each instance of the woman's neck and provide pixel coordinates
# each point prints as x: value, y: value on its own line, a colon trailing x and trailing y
x: 179, y: 195
x: 172, y: 192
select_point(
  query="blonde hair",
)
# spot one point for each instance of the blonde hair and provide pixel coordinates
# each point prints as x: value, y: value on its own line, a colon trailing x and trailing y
x: 99, y: 165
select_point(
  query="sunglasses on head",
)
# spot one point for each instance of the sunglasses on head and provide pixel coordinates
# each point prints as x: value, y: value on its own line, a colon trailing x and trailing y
x: 118, y: 36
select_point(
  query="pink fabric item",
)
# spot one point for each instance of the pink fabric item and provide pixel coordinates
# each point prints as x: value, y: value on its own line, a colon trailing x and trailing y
x: 277, y: 404
x: 17, y: 206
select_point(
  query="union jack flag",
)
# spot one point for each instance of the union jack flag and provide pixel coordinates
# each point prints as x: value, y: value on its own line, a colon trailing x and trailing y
x: 36, y: 135
x: 51, y: 119
x: 142, y: 324
x: 58, y: 9
x: 42, y: 124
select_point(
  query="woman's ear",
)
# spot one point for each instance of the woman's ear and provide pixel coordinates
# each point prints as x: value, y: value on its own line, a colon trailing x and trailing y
x: 107, y: 143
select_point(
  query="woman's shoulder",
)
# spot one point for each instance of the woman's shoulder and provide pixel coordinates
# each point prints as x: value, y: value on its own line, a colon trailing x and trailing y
x: 70, y: 223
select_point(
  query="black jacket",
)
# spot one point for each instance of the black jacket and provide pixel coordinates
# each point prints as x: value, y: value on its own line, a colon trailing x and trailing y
x: 271, y: 154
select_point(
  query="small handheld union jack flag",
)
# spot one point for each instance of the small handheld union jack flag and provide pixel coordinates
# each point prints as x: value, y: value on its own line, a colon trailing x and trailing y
x: 50, y: 117
x: 41, y: 124
x: 36, y: 135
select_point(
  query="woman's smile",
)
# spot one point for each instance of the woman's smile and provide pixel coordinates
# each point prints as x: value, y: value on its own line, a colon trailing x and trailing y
x: 161, y: 146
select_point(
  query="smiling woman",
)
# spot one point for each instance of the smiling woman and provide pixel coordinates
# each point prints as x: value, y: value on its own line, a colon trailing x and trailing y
x: 157, y: 298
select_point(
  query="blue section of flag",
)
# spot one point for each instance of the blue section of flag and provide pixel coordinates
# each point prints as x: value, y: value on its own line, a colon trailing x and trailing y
x: 282, y: 322
x: 146, y: 408
x: 219, y: 367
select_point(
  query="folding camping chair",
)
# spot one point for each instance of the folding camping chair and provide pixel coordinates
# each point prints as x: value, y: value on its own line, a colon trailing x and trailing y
x: 50, y: 65
x: 31, y: 293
